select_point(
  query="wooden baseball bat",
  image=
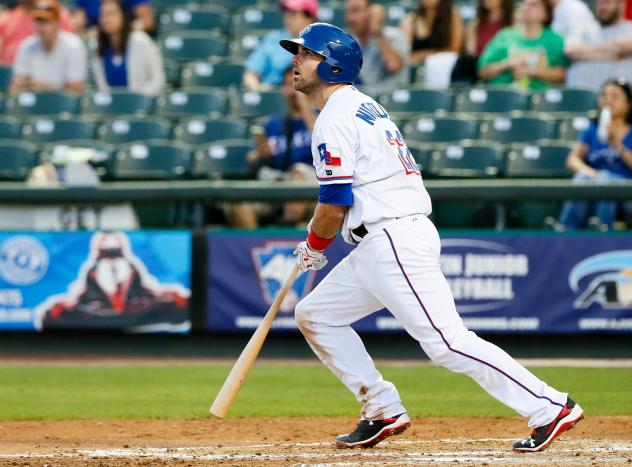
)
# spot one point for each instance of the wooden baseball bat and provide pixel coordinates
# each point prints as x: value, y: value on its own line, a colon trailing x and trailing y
x: 239, y: 373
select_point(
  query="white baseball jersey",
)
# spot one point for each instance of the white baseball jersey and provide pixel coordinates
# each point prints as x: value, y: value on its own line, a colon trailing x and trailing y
x: 355, y: 141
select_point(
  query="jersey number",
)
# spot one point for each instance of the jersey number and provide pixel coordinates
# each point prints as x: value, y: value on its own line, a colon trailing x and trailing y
x: 404, y: 154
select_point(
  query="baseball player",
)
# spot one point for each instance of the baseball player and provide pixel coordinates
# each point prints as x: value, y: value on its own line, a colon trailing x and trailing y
x: 371, y: 190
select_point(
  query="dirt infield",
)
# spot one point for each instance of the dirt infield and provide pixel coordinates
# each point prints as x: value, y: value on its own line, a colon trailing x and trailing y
x: 302, y: 441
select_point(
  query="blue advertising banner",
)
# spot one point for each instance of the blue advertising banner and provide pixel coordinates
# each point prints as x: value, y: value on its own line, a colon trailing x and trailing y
x: 528, y: 283
x: 133, y: 281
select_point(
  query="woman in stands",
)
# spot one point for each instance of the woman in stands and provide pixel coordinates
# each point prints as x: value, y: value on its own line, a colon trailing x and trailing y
x: 491, y: 17
x: 436, y: 26
x: 528, y: 54
x: 126, y: 58
x: 604, y: 152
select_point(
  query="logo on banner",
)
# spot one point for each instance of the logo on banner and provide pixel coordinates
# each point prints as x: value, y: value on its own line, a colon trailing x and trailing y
x: 23, y: 260
x: 274, y: 262
x: 608, y: 280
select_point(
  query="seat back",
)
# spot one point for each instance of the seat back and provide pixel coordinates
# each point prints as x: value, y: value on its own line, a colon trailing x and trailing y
x: 565, y: 100
x: 252, y: 104
x: 152, y: 160
x: 475, y: 159
x: 482, y: 100
x: 10, y: 127
x: 415, y: 101
x: 195, y: 18
x: 48, y: 130
x: 544, y: 160
x: 200, y: 131
x: 223, y: 159
x: 441, y: 129
x: 18, y: 158
x: 519, y: 129
x: 190, y: 102
x: 188, y: 46
x: 220, y: 74
x: 117, y: 103
x: 127, y: 130
x: 48, y: 103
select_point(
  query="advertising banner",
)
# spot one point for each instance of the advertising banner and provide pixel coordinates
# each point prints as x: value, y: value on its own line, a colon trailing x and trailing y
x: 132, y: 281
x: 505, y: 283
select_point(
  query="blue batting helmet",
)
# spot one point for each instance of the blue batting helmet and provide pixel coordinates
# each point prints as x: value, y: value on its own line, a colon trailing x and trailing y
x: 343, y: 56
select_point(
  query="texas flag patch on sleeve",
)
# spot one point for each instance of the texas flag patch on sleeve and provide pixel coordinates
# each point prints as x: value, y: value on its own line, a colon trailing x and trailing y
x: 330, y: 156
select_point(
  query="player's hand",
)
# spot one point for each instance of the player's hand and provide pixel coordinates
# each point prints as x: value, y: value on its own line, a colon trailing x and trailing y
x: 309, y: 259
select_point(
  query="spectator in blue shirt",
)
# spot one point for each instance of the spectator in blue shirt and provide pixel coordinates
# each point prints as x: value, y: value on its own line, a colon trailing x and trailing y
x: 265, y: 65
x: 602, y: 154
x: 282, y: 152
x: 86, y: 14
x: 125, y: 58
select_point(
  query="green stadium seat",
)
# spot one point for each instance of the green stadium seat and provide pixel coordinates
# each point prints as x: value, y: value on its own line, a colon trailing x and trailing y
x: 332, y: 14
x: 30, y: 104
x: 472, y: 159
x: 191, y: 102
x: 101, y: 159
x: 10, y: 127
x: 407, y: 102
x: 117, y: 103
x: 220, y: 74
x: 172, y: 72
x: 570, y: 129
x: 49, y: 130
x: 244, y: 44
x: 200, y: 131
x: 547, y: 159
x: 517, y: 129
x: 164, y: 5
x: 421, y: 151
x: 152, y: 160
x: 252, y: 104
x: 222, y: 159
x: 253, y: 17
x: 483, y: 100
x: 441, y: 129
x: 187, y: 46
x: 566, y: 100
x: 124, y: 130
x: 18, y: 157
x: 195, y: 18
x: 5, y: 77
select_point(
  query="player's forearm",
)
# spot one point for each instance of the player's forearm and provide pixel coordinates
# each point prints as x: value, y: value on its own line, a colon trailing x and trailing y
x: 328, y: 219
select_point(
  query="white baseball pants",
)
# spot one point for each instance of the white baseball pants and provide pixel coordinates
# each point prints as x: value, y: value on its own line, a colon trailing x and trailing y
x: 397, y: 266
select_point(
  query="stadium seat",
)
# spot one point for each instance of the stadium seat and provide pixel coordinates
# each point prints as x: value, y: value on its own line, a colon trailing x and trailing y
x: 570, y: 129
x: 49, y: 130
x: 333, y: 15
x: 29, y: 104
x: 244, y: 44
x: 517, y: 129
x: 5, y: 77
x: 152, y: 160
x: 195, y: 18
x: 172, y: 72
x: 566, y: 100
x: 441, y: 129
x: 191, y: 102
x: 116, y: 104
x: 407, y: 102
x: 421, y: 151
x: 10, y: 127
x: 101, y: 159
x: 220, y: 74
x: 481, y: 100
x: 222, y: 159
x: 187, y: 46
x: 474, y: 159
x: 164, y: 5
x: 252, y: 104
x: 547, y: 159
x: 123, y: 130
x: 18, y: 157
x: 254, y: 17
x: 200, y: 131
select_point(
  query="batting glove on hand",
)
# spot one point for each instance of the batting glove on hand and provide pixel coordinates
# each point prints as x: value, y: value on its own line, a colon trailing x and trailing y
x: 308, y: 258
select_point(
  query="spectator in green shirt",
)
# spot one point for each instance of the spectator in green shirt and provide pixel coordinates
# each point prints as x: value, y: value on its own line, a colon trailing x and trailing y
x: 529, y: 54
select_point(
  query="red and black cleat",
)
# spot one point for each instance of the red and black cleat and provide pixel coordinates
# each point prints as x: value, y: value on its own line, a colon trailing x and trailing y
x: 370, y: 432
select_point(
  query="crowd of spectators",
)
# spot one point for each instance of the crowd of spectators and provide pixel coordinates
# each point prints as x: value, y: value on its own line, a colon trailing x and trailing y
x: 531, y: 44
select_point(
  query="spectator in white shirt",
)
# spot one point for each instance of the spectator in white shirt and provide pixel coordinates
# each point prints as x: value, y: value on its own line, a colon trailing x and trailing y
x: 51, y: 59
x: 573, y: 20
x: 607, y: 54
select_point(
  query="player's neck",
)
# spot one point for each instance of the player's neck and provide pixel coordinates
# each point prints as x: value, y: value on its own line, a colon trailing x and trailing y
x: 320, y: 97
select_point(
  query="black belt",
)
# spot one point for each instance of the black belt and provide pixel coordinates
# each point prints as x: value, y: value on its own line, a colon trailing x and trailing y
x: 360, y: 231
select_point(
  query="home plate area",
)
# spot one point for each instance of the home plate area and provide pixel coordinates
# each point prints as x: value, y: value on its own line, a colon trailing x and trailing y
x: 286, y: 441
